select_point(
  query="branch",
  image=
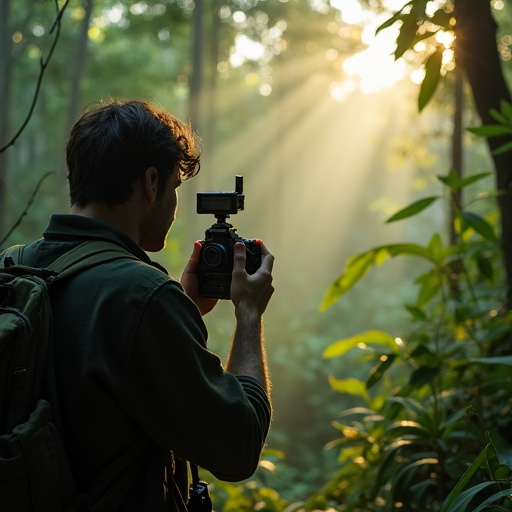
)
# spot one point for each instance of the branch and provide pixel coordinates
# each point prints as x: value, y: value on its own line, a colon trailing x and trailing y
x: 27, y: 208
x: 43, y: 65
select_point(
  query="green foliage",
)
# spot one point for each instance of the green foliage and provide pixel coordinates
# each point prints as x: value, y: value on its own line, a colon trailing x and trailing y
x: 502, y: 128
x: 417, y: 25
x: 431, y: 431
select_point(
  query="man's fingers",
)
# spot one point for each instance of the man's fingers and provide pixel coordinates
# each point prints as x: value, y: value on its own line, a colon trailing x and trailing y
x: 239, y: 254
x: 267, y: 259
x: 192, y: 263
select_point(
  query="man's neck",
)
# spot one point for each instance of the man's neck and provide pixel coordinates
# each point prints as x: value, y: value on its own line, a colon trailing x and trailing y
x: 120, y: 217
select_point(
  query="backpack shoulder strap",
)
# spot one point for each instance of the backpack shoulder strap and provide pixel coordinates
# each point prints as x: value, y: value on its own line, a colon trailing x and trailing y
x: 86, y: 255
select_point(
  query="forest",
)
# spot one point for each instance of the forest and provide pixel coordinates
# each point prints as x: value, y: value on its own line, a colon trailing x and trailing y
x: 375, y: 141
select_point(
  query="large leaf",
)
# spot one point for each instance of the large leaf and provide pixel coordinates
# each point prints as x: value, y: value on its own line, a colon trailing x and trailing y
x: 442, y: 19
x: 504, y: 148
x: 506, y: 110
x: 423, y: 375
x: 412, y: 429
x: 505, y: 114
x: 340, y: 347
x: 506, y: 360
x: 413, y: 209
x: 409, y: 403
x: 407, y: 34
x: 495, y: 497
x: 430, y: 285
x: 432, y: 75
x: 491, y: 130
x: 380, y: 369
x: 358, y: 266
x: 449, y: 504
x: 456, y: 184
x: 349, y: 386
x: 397, y: 16
x: 466, y: 497
x: 480, y: 225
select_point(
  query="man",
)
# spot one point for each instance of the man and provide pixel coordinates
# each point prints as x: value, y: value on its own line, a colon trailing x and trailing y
x: 133, y: 373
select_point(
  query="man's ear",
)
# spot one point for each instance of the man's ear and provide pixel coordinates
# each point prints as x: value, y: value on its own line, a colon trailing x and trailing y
x: 150, y: 184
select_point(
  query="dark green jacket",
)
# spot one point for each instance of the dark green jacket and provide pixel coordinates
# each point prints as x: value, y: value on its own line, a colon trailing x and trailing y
x: 131, y: 360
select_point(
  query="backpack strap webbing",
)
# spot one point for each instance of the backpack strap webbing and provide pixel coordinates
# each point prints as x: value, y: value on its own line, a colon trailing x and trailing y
x: 88, y: 254
x: 83, y: 256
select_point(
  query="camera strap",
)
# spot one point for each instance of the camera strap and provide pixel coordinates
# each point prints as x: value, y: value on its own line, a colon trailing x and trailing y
x: 199, y: 498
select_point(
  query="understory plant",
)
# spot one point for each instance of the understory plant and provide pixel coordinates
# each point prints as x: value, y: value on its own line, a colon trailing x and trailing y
x: 433, y: 428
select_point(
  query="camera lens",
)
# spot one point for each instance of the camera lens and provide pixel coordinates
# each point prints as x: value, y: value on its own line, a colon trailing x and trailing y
x: 214, y: 255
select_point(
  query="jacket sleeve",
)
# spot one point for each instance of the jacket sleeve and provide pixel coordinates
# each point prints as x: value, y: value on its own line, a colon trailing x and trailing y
x: 179, y: 393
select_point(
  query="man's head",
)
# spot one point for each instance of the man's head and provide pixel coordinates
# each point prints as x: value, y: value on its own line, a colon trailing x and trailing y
x: 112, y: 145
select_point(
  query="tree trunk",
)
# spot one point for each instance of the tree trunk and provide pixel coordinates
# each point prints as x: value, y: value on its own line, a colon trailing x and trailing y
x: 476, y: 51
x: 196, y: 79
x: 5, y: 83
x: 210, y: 95
x: 77, y: 72
x: 194, y: 105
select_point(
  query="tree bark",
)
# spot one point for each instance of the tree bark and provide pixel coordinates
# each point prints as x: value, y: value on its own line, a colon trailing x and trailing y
x: 5, y: 95
x: 476, y: 50
x: 77, y: 72
x: 196, y: 79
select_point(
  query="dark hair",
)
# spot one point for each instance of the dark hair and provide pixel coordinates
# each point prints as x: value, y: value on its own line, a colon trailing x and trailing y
x: 111, y: 146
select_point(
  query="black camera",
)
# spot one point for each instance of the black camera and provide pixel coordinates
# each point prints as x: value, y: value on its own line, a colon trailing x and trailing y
x: 216, y: 257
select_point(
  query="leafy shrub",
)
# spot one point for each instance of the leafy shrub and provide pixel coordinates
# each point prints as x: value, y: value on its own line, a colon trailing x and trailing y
x: 432, y: 431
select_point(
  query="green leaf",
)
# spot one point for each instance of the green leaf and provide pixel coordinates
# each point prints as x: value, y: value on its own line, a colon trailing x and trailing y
x: 397, y: 16
x: 358, y: 266
x: 491, y: 130
x: 423, y: 375
x: 432, y: 75
x: 409, y: 403
x: 349, y: 386
x: 435, y: 246
x: 408, y: 428
x: 416, y: 312
x: 378, y: 371
x: 506, y: 360
x: 480, y: 225
x: 455, y: 183
x: 497, y: 116
x: 273, y: 452
x: 423, y: 355
x: 497, y: 333
x: 450, y: 179
x: 340, y: 347
x: 485, y: 267
x: 442, y: 19
x: 492, y: 499
x: 506, y: 110
x: 472, y: 179
x: 413, y: 209
x: 504, y: 148
x: 430, y: 286
x: 407, y: 34
x: 449, y: 502
x: 466, y: 497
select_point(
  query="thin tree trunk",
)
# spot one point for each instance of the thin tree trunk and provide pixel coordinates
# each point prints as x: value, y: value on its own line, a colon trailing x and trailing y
x: 5, y: 97
x: 77, y: 72
x: 476, y: 51
x: 210, y: 95
x: 194, y: 105
x: 196, y: 79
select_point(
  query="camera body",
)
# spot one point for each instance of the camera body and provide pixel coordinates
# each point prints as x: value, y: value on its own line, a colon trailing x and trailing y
x: 216, y: 257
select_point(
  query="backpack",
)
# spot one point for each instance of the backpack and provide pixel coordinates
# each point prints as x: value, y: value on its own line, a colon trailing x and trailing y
x: 35, y: 474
